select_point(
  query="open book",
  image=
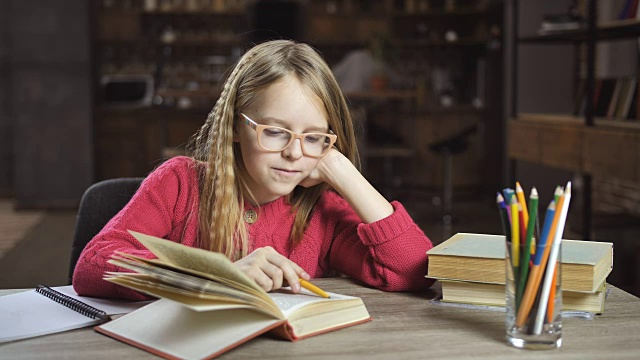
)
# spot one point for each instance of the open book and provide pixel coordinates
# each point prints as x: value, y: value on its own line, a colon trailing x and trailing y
x: 208, y: 306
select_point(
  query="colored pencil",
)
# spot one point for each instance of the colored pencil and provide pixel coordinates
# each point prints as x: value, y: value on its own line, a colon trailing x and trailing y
x: 553, y: 258
x: 506, y: 227
x: 503, y: 205
x: 533, y: 283
x: 515, y: 233
x: 552, y: 296
x: 508, y: 194
x: 504, y: 216
x: 524, y: 269
x: 523, y: 202
x: 523, y: 231
x: 557, y: 193
x: 314, y: 289
x: 548, y: 221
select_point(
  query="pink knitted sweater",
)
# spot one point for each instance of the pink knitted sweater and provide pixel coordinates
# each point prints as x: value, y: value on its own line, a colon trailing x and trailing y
x: 388, y: 254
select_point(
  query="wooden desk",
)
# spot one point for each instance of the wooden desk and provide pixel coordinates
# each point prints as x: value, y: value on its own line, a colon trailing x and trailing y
x: 405, y: 326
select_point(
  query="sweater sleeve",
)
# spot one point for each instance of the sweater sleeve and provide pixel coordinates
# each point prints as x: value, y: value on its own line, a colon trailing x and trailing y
x: 389, y: 254
x: 155, y: 209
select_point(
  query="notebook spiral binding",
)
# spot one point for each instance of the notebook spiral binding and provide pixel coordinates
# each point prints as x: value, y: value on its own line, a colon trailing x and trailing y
x: 71, y: 303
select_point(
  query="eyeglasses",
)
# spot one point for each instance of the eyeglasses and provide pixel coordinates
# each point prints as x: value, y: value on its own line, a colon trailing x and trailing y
x: 273, y: 138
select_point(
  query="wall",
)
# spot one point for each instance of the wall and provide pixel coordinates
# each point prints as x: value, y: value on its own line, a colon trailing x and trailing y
x: 50, y: 96
x: 6, y: 147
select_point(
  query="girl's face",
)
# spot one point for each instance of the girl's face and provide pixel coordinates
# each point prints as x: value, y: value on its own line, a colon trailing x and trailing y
x: 288, y: 104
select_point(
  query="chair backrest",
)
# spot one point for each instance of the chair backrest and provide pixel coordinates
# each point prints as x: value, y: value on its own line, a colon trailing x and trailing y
x: 100, y: 202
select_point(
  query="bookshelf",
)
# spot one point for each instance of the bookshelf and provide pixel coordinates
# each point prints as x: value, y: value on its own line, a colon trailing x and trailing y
x: 461, y: 39
x: 184, y: 47
x: 586, y: 144
x: 187, y: 50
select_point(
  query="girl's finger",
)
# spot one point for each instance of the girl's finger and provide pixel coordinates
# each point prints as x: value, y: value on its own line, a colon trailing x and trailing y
x: 274, y: 272
x: 262, y: 280
x: 290, y: 271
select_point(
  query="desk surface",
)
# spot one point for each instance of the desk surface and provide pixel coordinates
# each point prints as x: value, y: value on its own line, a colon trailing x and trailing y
x: 405, y: 326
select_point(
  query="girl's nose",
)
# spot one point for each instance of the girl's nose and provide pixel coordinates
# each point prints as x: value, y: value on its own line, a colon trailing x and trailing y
x: 294, y: 150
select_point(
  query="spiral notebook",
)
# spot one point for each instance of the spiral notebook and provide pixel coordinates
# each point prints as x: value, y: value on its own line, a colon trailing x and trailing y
x: 50, y: 310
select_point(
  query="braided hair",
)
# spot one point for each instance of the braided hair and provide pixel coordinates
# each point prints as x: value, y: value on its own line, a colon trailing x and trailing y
x: 222, y: 184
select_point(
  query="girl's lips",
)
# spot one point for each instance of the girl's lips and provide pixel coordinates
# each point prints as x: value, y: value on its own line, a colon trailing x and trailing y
x: 286, y: 172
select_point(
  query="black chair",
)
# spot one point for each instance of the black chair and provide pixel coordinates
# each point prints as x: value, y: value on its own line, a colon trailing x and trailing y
x: 100, y: 202
x: 453, y: 145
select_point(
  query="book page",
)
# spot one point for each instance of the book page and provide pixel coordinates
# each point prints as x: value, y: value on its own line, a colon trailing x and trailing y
x: 308, y: 314
x: 178, y: 279
x: 165, y: 282
x: 194, y: 301
x: 171, y: 330
x: 207, y: 262
x: 289, y: 303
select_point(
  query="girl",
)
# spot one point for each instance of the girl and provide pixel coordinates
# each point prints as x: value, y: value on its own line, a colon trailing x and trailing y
x: 271, y: 184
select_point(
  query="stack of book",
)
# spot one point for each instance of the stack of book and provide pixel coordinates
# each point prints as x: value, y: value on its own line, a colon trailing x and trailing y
x: 472, y: 268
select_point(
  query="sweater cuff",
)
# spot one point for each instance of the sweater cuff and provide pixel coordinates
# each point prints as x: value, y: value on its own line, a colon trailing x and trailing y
x: 386, y: 229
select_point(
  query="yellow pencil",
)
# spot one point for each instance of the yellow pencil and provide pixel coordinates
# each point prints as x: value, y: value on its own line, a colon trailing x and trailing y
x: 314, y: 289
x: 515, y: 233
x: 523, y: 202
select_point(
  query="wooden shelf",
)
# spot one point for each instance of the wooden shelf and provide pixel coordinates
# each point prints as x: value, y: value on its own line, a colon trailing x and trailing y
x: 565, y: 142
x: 619, y: 29
x: 381, y: 95
x: 212, y: 93
x: 212, y: 13
x: 579, y: 120
x: 551, y: 118
x: 175, y: 12
x: 349, y: 15
x: 326, y: 43
x: 441, y: 13
x: 431, y: 43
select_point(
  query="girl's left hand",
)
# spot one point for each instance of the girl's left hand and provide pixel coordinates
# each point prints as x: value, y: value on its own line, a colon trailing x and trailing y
x: 342, y: 175
x: 325, y: 166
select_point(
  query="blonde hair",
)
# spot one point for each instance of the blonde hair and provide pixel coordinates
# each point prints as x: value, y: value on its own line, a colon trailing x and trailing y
x: 222, y: 228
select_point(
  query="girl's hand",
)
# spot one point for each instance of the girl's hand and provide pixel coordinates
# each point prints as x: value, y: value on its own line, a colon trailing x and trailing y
x: 330, y: 161
x: 336, y: 170
x: 271, y: 270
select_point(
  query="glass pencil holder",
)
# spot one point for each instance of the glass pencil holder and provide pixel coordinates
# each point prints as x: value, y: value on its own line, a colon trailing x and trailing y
x: 533, y: 301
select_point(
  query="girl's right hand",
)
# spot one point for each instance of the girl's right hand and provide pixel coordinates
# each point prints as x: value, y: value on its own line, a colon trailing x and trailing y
x: 271, y: 270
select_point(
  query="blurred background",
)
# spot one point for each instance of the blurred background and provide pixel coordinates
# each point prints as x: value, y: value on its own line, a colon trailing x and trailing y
x: 453, y: 101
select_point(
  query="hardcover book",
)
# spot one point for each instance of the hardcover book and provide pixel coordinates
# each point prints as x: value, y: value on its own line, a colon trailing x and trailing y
x: 481, y: 258
x: 208, y: 306
x: 474, y: 293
